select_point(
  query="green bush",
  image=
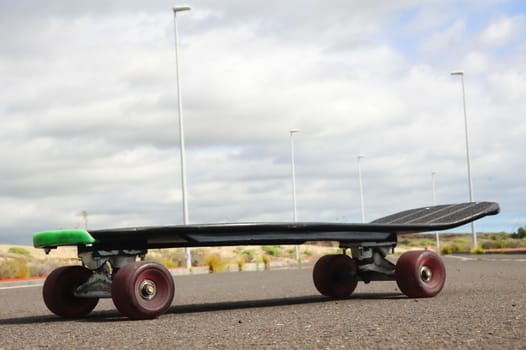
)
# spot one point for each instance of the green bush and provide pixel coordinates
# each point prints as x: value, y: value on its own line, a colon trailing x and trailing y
x: 249, y: 254
x: 428, y: 243
x: 19, y: 251
x: 273, y: 250
x: 454, y: 248
x: 446, y: 250
x: 478, y: 250
x: 457, y: 248
x: 520, y: 234
x: 461, y: 241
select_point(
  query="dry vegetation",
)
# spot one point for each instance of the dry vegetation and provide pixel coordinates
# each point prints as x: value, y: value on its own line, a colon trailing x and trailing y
x: 25, y: 261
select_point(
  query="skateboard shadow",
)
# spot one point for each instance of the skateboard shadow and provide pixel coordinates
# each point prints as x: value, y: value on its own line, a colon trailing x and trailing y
x: 264, y: 303
x: 115, y: 316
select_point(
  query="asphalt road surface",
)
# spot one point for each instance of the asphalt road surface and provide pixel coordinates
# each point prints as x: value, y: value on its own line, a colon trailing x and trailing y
x: 482, y: 306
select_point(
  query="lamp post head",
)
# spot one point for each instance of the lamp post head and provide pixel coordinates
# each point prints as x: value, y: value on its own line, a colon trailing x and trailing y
x: 293, y: 131
x: 181, y: 9
x: 457, y: 72
x: 360, y: 156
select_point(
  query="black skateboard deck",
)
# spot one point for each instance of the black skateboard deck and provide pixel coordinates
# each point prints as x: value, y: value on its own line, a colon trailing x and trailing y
x: 433, y: 218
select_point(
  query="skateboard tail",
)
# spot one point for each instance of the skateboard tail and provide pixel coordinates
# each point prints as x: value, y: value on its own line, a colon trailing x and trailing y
x: 51, y: 239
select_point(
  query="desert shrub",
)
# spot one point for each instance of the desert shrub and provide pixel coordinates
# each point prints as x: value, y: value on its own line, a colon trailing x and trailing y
x: 504, y: 243
x: 446, y: 250
x: 13, y: 268
x: 428, y: 243
x: 419, y: 243
x: 168, y: 257
x: 498, y: 236
x: 487, y: 245
x: 478, y: 250
x: 248, y: 254
x: 461, y: 241
x: 240, y: 263
x: 513, y: 243
x: 266, y: 261
x: 273, y: 250
x: 459, y: 248
x: 19, y: 251
x: 454, y: 248
x: 498, y: 244
x: 215, y: 263
x: 160, y: 260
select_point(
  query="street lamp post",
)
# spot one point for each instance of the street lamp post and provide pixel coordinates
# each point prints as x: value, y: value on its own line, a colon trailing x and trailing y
x: 470, y: 183
x: 177, y: 9
x: 362, y: 206
x: 294, y: 209
x: 433, y: 187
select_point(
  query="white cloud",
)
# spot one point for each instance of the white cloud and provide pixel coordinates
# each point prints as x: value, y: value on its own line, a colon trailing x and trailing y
x: 449, y: 38
x: 501, y: 30
x: 89, y: 113
x: 478, y: 62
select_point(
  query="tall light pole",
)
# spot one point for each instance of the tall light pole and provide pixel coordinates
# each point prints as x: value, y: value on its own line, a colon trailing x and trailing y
x: 362, y: 206
x: 294, y: 209
x: 470, y: 183
x: 177, y: 9
x: 433, y: 188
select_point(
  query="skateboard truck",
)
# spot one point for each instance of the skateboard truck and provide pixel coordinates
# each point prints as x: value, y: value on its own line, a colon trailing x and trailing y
x: 103, y: 264
x: 371, y: 261
x: 94, y: 259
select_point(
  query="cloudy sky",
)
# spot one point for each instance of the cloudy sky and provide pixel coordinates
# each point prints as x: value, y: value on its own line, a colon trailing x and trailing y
x: 89, y: 121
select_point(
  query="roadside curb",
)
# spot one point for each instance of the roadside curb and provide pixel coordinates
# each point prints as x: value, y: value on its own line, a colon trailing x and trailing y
x: 506, y: 251
x: 14, y: 282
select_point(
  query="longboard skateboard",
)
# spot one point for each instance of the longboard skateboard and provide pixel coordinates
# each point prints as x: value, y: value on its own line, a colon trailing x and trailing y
x: 143, y: 290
